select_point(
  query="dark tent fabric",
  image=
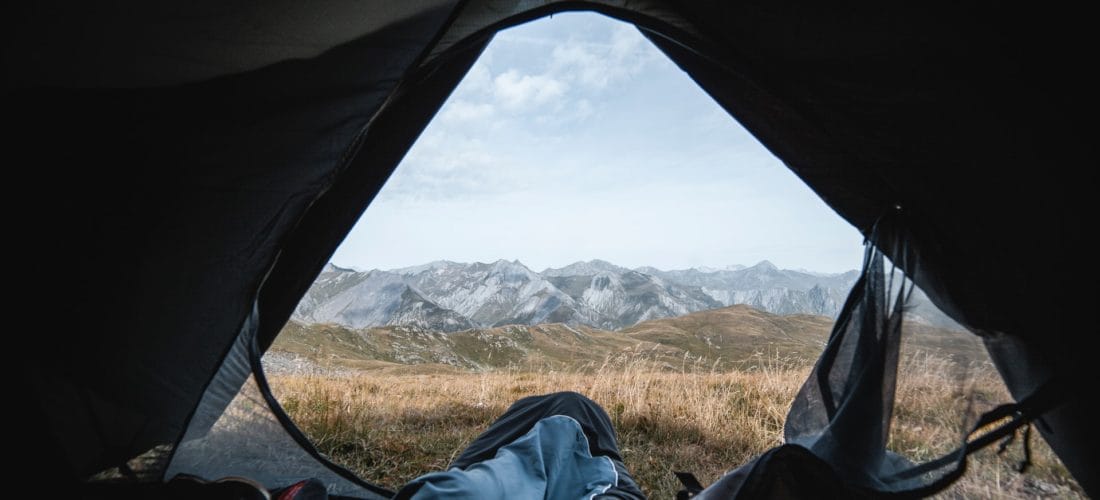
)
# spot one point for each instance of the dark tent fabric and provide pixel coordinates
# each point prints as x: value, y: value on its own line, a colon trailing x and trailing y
x: 187, y: 162
x: 162, y: 269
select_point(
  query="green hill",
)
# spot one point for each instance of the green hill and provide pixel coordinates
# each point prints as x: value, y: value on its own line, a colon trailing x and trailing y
x: 739, y: 335
x: 730, y: 337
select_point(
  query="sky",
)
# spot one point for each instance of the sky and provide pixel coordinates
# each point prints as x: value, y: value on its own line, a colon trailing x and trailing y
x: 574, y: 138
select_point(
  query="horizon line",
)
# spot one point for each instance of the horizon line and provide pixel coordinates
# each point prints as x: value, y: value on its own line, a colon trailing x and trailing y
x: 702, y: 268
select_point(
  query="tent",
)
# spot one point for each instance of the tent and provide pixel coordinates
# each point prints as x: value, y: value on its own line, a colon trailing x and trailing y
x: 184, y: 170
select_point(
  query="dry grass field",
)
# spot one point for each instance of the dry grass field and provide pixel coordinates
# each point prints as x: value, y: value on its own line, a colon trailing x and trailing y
x: 393, y: 426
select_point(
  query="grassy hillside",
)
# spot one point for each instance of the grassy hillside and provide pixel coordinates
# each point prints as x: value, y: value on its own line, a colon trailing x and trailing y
x: 736, y: 337
x: 552, y: 346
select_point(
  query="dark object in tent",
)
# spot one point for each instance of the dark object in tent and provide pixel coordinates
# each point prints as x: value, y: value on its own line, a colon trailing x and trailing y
x: 192, y: 166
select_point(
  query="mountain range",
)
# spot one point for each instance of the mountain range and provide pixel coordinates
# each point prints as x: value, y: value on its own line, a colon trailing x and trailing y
x: 446, y: 296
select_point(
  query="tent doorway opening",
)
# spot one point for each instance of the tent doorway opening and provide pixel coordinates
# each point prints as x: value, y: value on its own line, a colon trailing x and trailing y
x: 581, y: 216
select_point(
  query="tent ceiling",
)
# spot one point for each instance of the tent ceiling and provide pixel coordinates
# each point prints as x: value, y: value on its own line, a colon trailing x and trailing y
x: 133, y: 43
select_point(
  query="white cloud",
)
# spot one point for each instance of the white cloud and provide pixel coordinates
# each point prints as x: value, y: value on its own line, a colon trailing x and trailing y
x: 515, y: 90
x: 444, y: 166
x: 599, y: 64
x: 463, y: 111
x: 479, y: 79
x: 551, y: 80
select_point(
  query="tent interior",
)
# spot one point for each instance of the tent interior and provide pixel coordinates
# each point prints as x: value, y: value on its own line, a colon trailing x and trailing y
x: 194, y: 166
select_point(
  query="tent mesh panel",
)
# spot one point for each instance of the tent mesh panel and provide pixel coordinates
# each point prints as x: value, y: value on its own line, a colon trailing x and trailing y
x: 236, y: 432
x: 898, y: 384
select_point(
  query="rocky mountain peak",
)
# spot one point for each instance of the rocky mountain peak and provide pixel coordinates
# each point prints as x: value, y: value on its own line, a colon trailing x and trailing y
x: 764, y: 265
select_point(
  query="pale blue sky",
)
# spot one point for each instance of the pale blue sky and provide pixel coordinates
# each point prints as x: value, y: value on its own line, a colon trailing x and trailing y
x: 574, y: 138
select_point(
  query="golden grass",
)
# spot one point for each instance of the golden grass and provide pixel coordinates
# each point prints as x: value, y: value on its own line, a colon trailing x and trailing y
x: 392, y: 428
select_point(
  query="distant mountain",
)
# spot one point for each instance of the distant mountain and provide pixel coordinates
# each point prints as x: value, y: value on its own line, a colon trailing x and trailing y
x: 766, y: 287
x: 590, y: 268
x: 730, y: 337
x: 619, y: 297
x: 494, y: 294
x: 373, y: 298
x: 450, y: 296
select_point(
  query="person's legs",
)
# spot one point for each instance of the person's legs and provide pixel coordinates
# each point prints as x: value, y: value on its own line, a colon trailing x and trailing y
x: 523, y: 415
